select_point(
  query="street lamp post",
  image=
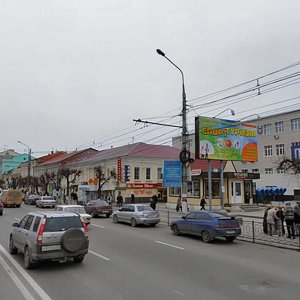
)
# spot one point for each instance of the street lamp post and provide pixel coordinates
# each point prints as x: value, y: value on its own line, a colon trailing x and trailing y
x: 185, y: 154
x: 29, y: 163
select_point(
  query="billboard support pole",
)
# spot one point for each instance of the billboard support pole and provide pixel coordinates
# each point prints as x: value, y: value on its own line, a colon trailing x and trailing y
x: 222, y: 182
x: 209, y: 185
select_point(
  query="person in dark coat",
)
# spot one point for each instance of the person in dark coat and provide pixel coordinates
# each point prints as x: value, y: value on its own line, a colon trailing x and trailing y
x: 119, y: 200
x: 265, y: 223
x: 154, y: 201
x: 289, y: 220
x: 202, y: 203
x: 179, y: 205
x: 132, y: 199
x: 280, y: 221
x: 297, y: 217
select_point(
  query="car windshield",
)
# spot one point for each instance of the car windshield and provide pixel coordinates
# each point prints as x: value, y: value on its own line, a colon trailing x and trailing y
x: 101, y: 203
x: 48, y: 198
x: 79, y: 210
x: 55, y: 224
x: 144, y: 208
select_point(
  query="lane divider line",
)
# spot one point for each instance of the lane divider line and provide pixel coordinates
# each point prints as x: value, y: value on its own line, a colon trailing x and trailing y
x: 99, y: 255
x: 97, y: 225
x: 26, y: 275
x: 15, y: 279
x: 170, y: 245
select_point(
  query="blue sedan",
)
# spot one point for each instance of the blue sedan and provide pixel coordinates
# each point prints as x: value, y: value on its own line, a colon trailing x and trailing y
x: 208, y: 225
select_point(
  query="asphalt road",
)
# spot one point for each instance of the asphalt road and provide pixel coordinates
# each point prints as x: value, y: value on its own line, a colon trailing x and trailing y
x: 151, y: 263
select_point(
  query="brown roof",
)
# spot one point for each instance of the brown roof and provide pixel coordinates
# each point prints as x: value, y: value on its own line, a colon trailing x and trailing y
x: 203, y: 164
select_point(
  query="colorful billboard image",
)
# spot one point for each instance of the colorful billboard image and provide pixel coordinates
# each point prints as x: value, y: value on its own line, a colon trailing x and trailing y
x: 225, y: 140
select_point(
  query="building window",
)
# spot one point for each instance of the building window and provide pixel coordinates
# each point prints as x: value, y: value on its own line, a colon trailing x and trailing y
x: 267, y: 129
x: 159, y: 174
x: 280, y: 171
x: 255, y: 170
x: 268, y: 171
x: 244, y: 170
x: 137, y: 174
x: 295, y: 143
x: 175, y: 191
x: 279, y: 127
x: 148, y: 173
x: 268, y: 150
x: 280, y: 149
x: 193, y: 188
x: 215, y: 187
x: 295, y: 124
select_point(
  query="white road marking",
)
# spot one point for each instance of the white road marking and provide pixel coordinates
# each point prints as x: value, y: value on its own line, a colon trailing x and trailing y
x: 19, y: 284
x: 99, y: 255
x: 97, y: 225
x: 179, y: 293
x: 29, y: 279
x: 173, y: 246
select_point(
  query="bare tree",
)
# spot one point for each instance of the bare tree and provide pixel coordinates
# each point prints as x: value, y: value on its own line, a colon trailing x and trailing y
x: 70, y: 175
x: 287, y: 164
x: 102, y: 178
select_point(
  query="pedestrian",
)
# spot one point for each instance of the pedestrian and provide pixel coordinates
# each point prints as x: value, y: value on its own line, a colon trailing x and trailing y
x: 109, y: 199
x: 289, y: 220
x: 271, y: 219
x: 119, y: 200
x: 202, y: 203
x: 297, y: 218
x: 154, y: 201
x: 179, y: 205
x: 280, y: 222
x: 132, y: 199
x: 265, y: 224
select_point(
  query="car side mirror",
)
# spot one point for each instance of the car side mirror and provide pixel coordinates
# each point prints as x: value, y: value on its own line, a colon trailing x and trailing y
x: 15, y: 225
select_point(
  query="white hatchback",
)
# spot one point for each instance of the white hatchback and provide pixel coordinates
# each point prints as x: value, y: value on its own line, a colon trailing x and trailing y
x: 79, y: 209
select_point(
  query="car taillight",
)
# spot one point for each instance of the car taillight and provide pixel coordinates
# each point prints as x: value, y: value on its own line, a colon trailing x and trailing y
x: 220, y: 225
x: 39, y: 239
x: 85, y: 230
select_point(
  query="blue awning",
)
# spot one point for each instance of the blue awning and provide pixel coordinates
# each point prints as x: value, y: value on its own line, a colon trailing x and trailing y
x: 270, y: 191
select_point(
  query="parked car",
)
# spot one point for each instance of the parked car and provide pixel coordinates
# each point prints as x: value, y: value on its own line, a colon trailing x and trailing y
x: 56, y: 236
x: 45, y: 201
x: 79, y: 209
x: 208, y: 225
x: 31, y: 199
x: 1, y: 208
x: 98, y: 207
x: 136, y: 214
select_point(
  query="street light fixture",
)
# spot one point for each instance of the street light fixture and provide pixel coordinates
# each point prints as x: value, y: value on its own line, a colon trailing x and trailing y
x: 184, y: 154
x: 231, y: 111
x: 29, y: 163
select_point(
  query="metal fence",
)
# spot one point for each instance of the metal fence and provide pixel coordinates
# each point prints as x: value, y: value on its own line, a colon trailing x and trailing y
x: 252, y: 231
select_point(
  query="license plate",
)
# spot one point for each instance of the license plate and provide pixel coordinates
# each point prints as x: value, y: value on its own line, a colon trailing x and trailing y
x: 230, y: 231
x: 51, y: 248
x: 105, y: 211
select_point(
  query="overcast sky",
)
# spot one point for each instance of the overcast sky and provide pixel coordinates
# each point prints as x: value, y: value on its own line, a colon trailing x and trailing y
x: 75, y: 73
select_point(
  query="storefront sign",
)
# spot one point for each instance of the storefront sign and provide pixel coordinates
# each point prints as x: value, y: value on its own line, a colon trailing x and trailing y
x: 225, y: 140
x: 119, y: 172
x: 143, y: 185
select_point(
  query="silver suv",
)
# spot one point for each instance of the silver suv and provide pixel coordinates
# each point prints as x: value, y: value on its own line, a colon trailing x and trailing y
x: 56, y: 236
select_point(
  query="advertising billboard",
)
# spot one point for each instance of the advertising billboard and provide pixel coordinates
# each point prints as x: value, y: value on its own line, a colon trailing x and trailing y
x: 172, y: 173
x: 225, y: 140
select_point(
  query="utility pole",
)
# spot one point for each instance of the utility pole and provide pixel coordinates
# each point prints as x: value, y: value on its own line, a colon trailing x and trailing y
x: 185, y: 153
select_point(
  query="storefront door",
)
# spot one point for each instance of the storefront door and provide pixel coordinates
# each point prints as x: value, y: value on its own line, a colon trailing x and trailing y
x: 236, y: 192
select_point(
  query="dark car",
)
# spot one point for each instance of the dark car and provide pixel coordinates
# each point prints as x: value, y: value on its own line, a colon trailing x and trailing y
x: 57, y: 236
x: 31, y: 199
x: 208, y: 225
x: 1, y: 208
x: 98, y: 207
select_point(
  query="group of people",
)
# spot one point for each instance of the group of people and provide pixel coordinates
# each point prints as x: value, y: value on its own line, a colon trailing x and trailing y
x: 274, y: 219
x: 179, y: 204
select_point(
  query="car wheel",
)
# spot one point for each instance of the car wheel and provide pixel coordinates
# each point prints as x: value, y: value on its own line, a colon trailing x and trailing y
x: 115, y: 219
x: 1, y: 213
x: 73, y: 239
x: 206, y: 238
x: 93, y: 214
x: 79, y: 259
x: 175, y: 230
x: 133, y: 222
x: 230, y: 238
x: 153, y: 225
x: 108, y: 215
x: 28, y: 264
x: 12, y: 249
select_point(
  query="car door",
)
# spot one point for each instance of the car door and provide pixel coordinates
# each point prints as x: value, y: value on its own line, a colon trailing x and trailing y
x: 186, y: 223
x: 201, y: 222
x: 89, y: 207
x: 25, y: 231
x: 18, y: 231
x: 122, y: 213
x: 130, y: 213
